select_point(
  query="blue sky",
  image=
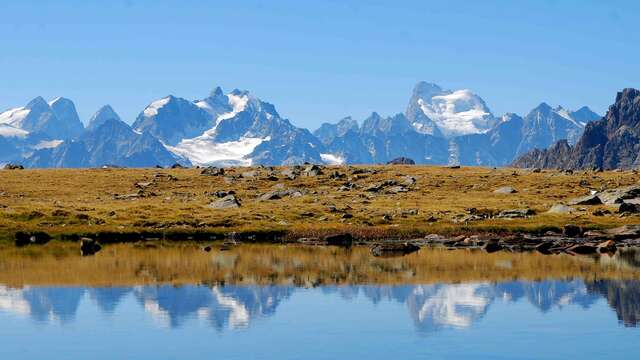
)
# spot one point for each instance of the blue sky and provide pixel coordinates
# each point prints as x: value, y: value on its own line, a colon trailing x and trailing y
x: 318, y: 61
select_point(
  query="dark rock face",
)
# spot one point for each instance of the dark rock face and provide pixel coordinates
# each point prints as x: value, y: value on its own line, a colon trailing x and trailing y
x: 610, y: 143
x: 401, y: 161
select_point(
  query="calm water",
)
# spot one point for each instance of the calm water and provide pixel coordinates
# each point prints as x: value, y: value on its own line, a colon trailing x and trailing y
x: 516, y: 319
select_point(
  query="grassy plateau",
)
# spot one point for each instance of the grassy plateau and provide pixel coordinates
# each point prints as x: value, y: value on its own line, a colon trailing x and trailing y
x: 173, y: 204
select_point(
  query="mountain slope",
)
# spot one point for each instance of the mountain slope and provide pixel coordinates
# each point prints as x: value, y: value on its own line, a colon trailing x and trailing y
x: 610, y: 143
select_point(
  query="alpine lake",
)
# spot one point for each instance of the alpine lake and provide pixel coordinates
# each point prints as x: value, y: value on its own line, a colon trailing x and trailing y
x: 176, y: 301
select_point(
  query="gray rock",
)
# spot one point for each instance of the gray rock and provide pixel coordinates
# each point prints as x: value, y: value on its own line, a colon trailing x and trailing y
x: 586, y: 200
x: 571, y: 230
x: 561, y: 209
x: 515, y: 213
x: 627, y: 207
x: 227, y: 202
x: 212, y: 171
x: 505, y: 190
x: 312, y: 170
x: 617, y: 196
x: 279, y: 194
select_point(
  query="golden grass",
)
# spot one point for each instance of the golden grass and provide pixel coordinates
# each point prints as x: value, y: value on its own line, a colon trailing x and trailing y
x: 72, y: 201
x: 128, y: 264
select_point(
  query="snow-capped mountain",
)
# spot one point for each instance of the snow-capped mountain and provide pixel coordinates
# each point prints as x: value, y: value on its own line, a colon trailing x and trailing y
x: 57, y: 118
x: 228, y: 129
x: 435, y: 111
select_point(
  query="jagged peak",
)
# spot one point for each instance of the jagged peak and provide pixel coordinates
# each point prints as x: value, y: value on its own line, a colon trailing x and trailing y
x: 424, y: 88
x: 627, y: 93
x: 37, y: 103
x: 543, y: 106
x: 238, y: 92
x: 104, y: 113
x: 216, y: 92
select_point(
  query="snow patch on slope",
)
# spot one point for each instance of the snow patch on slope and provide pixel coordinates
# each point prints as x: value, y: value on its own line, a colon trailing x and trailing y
x: 48, y: 144
x: 237, y: 103
x: 566, y: 115
x: 332, y: 159
x: 7, y: 130
x: 153, y: 108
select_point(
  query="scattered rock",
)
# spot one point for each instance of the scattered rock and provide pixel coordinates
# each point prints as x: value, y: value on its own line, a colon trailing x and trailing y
x: 312, y: 170
x: 571, y: 230
x: 561, y: 209
x: 381, y: 185
x: 625, y: 232
x: 227, y: 202
x: 515, y: 213
x: 142, y: 185
x: 134, y: 196
x: 586, y: 200
x: 290, y: 174
x: 627, y: 207
x: 336, y: 175
x: 617, y: 196
x: 89, y: 247
x: 408, y: 180
x: 13, y: 167
x: 279, y: 194
x: 505, y: 190
x: 177, y: 166
x: 212, y: 171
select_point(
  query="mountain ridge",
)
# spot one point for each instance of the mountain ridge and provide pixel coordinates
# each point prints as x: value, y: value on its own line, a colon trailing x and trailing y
x: 236, y: 128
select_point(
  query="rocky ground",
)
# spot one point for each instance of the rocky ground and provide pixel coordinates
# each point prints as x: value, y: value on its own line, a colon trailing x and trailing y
x: 397, y: 208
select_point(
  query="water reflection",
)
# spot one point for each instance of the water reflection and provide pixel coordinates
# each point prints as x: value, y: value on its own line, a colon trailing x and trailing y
x: 431, y: 307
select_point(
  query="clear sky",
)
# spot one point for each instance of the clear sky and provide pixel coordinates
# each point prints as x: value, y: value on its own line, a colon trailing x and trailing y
x: 318, y: 61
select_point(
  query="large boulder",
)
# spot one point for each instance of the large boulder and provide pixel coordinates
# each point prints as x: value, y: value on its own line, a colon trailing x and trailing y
x: 618, y: 195
x: 227, y: 202
x: 401, y: 161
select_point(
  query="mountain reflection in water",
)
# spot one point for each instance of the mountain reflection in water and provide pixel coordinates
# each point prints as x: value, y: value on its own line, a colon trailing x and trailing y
x: 430, y: 307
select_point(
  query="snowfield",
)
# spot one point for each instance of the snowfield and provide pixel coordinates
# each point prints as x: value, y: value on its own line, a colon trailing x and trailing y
x: 203, y: 151
x: 14, y: 117
x: 332, y: 159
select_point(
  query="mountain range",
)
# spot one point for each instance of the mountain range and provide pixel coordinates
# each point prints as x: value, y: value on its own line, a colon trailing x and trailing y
x: 439, y: 126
